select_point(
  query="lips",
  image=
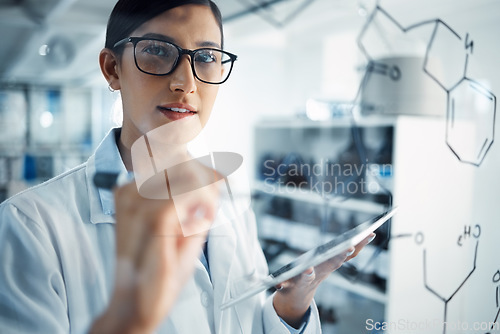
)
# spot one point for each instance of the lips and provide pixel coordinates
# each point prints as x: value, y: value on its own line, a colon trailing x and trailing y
x: 176, y: 111
x: 181, y: 110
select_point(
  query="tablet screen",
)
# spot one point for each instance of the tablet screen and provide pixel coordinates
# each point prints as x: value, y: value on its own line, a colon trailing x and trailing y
x: 368, y: 226
x: 317, y: 255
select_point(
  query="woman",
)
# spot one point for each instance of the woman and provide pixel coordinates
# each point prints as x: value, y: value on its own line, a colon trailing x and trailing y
x: 72, y: 262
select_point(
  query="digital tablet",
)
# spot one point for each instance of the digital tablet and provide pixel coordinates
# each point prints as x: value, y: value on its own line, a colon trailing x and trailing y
x: 315, y: 256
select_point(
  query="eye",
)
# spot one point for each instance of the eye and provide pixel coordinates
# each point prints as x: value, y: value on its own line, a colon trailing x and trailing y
x: 157, y: 49
x: 205, y: 56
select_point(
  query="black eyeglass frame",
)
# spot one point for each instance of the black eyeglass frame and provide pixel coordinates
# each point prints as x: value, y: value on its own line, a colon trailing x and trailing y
x: 191, y: 53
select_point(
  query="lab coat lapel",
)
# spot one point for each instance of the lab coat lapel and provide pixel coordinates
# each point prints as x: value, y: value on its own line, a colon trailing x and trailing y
x: 221, y: 255
x: 188, y: 314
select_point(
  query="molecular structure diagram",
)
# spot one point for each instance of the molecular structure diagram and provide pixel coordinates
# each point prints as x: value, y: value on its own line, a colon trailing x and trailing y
x: 470, y: 233
x: 496, y: 281
x: 471, y: 107
x: 470, y: 114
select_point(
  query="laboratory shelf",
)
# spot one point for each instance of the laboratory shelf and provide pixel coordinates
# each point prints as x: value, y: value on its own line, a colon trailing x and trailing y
x: 306, y: 195
x: 361, y: 289
x: 298, y: 123
x: 294, y: 159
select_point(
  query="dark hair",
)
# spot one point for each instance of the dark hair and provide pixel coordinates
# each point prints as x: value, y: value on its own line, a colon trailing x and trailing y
x: 128, y: 15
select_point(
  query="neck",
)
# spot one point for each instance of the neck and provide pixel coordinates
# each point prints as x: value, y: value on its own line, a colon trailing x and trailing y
x: 125, y: 154
x: 166, y: 155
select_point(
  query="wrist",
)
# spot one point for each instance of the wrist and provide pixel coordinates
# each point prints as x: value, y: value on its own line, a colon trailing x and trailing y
x: 111, y: 322
x: 291, y: 311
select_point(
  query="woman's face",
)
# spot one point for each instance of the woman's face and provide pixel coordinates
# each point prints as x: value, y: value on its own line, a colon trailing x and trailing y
x: 148, y: 100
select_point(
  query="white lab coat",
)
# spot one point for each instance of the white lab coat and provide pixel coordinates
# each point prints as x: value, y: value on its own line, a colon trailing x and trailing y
x: 57, y: 255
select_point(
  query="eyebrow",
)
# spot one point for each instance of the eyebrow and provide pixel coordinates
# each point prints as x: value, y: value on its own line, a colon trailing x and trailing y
x: 172, y: 40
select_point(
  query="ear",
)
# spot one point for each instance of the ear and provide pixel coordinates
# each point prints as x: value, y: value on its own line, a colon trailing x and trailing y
x: 110, y: 68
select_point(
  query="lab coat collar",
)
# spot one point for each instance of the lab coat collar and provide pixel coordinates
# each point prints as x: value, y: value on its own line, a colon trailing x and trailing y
x: 105, y: 159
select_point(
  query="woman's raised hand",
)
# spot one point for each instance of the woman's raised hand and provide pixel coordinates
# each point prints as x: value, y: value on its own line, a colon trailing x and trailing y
x: 154, y: 254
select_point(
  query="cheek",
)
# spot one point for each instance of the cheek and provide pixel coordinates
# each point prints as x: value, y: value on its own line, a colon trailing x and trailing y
x: 133, y: 82
x: 137, y: 95
x: 208, y: 96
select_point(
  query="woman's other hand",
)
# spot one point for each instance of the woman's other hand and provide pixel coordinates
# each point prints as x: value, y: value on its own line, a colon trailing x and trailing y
x: 294, y: 296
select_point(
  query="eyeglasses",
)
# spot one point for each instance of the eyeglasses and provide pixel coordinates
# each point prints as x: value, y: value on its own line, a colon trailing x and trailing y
x: 157, y: 57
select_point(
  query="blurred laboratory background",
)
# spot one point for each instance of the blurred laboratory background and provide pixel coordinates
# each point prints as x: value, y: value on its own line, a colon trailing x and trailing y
x: 340, y: 109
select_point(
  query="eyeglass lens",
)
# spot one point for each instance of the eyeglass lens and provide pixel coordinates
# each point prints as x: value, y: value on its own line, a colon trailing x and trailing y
x: 157, y: 57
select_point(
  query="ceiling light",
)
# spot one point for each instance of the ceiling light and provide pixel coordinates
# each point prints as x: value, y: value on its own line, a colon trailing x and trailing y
x: 46, y: 119
x: 43, y: 50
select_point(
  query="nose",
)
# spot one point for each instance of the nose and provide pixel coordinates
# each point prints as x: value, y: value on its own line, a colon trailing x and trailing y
x: 182, y: 78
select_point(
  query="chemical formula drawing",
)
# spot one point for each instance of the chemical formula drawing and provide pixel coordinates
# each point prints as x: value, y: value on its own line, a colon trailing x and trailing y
x: 443, y: 242
x: 470, y: 107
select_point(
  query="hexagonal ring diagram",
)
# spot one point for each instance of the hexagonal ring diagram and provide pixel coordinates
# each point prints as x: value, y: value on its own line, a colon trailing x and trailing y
x: 470, y: 124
